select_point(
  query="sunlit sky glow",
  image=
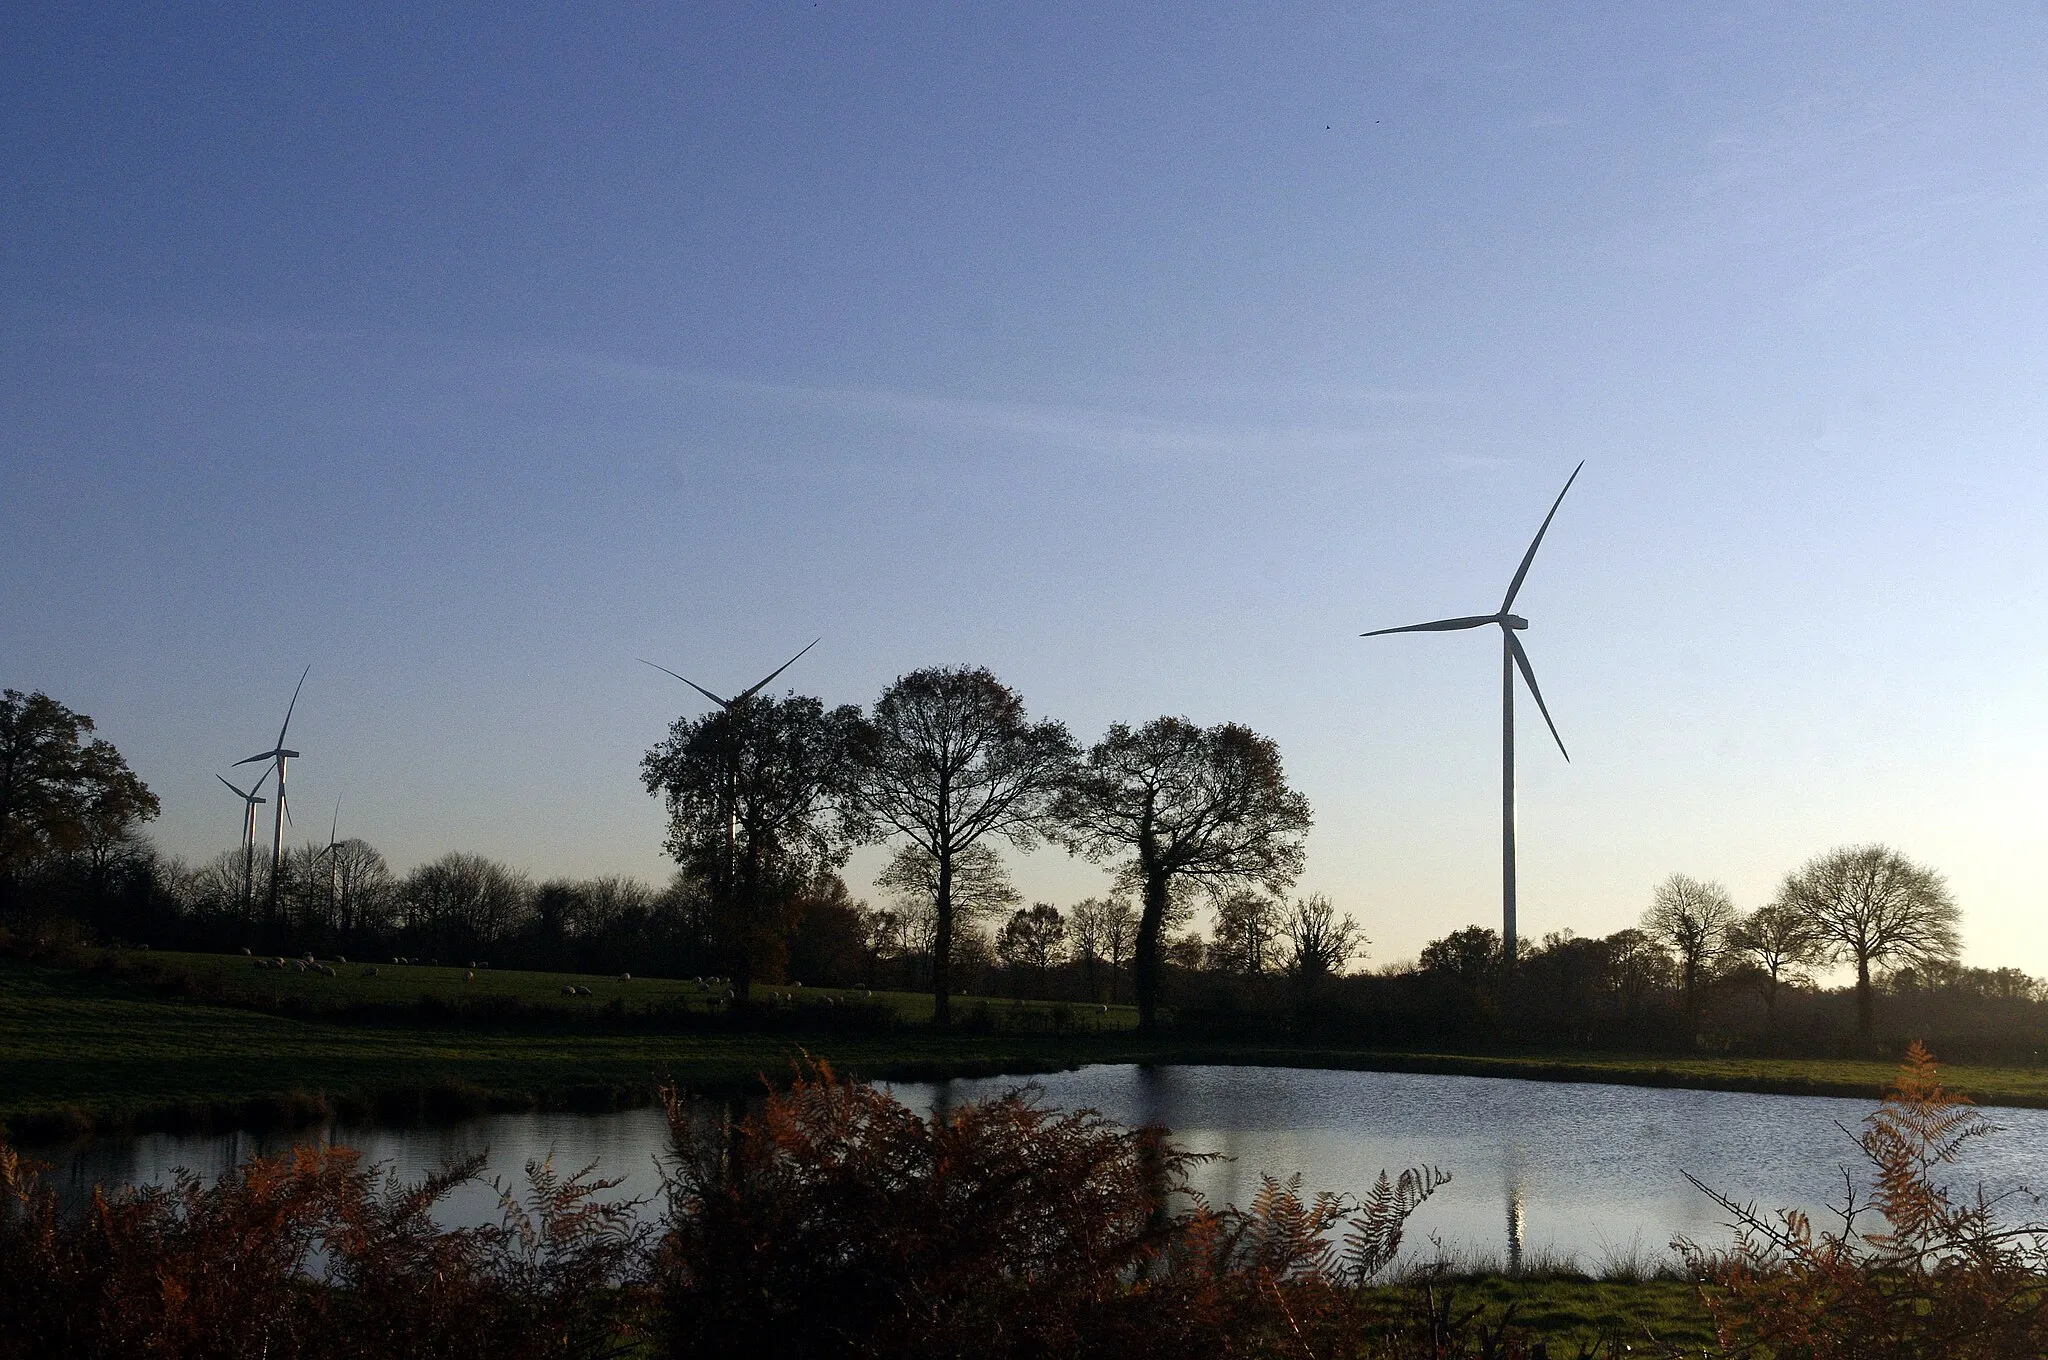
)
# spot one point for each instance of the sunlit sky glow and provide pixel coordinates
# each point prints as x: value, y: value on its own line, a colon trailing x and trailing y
x: 1145, y: 354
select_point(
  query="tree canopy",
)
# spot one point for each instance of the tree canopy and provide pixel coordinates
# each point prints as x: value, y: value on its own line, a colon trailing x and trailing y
x: 762, y: 796
x: 951, y: 759
x: 61, y: 789
x: 1186, y: 804
x: 1870, y: 905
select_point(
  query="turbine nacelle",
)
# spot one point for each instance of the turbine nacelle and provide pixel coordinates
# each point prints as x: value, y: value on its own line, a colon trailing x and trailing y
x: 1514, y: 621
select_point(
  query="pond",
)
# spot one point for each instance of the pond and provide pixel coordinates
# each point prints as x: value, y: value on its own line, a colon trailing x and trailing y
x: 1541, y: 1170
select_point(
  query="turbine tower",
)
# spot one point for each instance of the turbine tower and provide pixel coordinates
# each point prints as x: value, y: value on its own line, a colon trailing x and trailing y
x: 1512, y: 658
x: 278, y: 755
x: 333, y: 864
x: 249, y: 801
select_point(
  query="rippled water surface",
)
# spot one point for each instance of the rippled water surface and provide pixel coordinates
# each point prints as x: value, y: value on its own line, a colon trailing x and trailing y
x: 1537, y: 1166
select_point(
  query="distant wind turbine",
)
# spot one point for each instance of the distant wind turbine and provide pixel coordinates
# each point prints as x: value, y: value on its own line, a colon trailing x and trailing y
x: 278, y: 755
x: 1512, y: 658
x: 730, y: 704
x: 333, y: 863
x: 249, y: 801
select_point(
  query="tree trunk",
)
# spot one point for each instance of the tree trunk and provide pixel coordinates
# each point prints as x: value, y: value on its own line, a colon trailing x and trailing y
x: 1866, y: 1005
x: 1145, y: 964
x: 942, y: 944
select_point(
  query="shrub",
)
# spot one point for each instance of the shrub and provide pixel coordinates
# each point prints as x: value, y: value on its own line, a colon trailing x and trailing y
x: 1942, y: 1276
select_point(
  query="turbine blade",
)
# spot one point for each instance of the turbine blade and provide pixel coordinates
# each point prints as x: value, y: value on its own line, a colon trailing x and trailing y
x: 748, y: 694
x: 294, y: 704
x: 1529, y: 678
x: 245, y: 795
x: 260, y: 755
x: 285, y: 805
x: 688, y: 681
x: 336, y: 824
x: 1440, y: 626
x: 1515, y: 586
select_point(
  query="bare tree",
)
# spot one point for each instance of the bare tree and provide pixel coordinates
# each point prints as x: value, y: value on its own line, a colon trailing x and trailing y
x: 1104, y: 930
x: 1691, y: 919
x: 952, y: 759
x: 1187, y: 804
x: 980, y: 891
x: 1780, y: 943
x: 1319, y: 942
x: 1870, y: 905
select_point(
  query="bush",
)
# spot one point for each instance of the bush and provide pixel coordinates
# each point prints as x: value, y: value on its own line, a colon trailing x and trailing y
x: 1942, y: 1276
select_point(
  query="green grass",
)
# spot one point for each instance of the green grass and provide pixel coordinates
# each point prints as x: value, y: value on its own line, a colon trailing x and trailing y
x: 239, y: 979
x: 1579, y: 1312
x: 80, y: 1050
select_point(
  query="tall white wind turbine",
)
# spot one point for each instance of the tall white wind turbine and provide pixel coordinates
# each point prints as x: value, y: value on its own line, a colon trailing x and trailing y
x: 1512, y: 658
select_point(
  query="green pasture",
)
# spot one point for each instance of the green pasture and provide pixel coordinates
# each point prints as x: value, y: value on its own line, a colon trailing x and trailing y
x: 375, y: 982
x: 168, y: 1038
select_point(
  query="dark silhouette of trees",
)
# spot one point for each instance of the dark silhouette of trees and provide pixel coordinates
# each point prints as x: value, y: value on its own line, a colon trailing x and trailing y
x: 952, y: 760
x: 1320, y: 943
x: 761, y: 797
x: 1248, y: 929
x: 1472, y: 955
x: 980, y: 888
x: 1692, y: 920
x: 1033, y: 942
x: 1104, y: 929
x: 1188, y: 805
x: 1780, y: 943
x: 1870, y: 905
x: 62, y: 790
x: 462, y: 905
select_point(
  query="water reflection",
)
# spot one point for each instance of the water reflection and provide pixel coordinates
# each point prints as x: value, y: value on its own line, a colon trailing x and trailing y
x: 1537, y: 1167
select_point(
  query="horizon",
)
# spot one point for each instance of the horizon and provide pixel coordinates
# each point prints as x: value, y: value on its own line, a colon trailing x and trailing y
x: 1147, y: 359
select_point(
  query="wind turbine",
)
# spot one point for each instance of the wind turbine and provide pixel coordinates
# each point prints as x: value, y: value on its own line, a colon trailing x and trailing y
x: 1512, y: 658
x: 249, y: 801
x: 730, y: 704
x: 278, y: 755
x: 333, y: 864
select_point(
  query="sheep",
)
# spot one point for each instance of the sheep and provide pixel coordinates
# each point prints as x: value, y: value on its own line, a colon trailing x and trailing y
x: 245, y: 951
x: 583, y: 991
x: 568, y: 990
x: 341, y: 959
x: 370, y: 972
x: 625, y: 977
x: 469, y: 977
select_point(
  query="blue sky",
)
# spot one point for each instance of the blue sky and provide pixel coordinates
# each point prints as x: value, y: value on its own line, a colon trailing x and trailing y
x: 1147, y: 357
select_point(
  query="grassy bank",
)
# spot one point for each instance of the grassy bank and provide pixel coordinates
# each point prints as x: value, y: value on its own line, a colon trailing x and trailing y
x: 96, y: 1050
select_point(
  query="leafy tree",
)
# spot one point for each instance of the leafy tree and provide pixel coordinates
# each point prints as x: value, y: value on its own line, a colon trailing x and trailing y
x: 1248, y: 925
x: 1187, y: 804
x: 1780, y: 943
x: 1319, y: 942
x: 951, y: 761
x: 1692, y: 920
x: 61, y: 790
x: 1033, y: 942
x: 761, y: 797
x: 1870, y: 905
x: 1472, y: 955
x: 1638, y: 967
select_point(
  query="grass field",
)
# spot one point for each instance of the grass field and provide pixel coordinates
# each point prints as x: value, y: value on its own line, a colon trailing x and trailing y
x: 81, y: 1050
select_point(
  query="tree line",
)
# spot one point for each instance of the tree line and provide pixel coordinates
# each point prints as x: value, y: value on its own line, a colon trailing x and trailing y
x: 767, y: 799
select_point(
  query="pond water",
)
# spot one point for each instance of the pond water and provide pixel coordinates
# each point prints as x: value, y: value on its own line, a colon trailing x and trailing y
x: 1539, y: 1168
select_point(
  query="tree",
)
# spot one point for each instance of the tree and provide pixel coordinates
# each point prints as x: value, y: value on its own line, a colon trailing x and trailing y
x: 1104, y: 930
x: 1033, y: 942
x: 60, y: 788
x: 951, y: 760
x: 1779, y: 942
x: 980, y: 890
x: 1691, y: 919
x: 462, y: 905
x: 1870, y: 905
x: 1472, y: 955
x: 1188, y: 804
x: 1248, y: 924
x: 1319, y: 942
x: 761, y: 797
